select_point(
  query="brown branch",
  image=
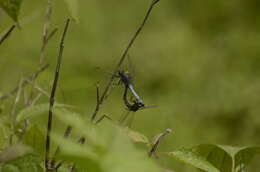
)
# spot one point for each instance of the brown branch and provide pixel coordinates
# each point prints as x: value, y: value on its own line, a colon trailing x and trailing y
x: 7, y: 34
x: 157, y: 141
x: 30, y: 78
x: 122, y: 58
x: 52, y: 97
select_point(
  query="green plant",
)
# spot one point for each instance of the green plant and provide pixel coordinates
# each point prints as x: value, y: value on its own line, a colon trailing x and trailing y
x: 108, y: 146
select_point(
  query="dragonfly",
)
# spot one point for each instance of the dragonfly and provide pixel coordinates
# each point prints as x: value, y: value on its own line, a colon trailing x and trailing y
x: 127, y: 81
x: 134, y: 103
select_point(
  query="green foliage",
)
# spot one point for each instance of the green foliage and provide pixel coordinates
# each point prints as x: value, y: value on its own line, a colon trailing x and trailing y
x: 35, y: 138
x: 241, y: 156
x: 216, y: 157
x: 136, y: 136
x: 108, y: 148
x: 19, y: 158
x: 11, y: 7
x: 191, y: 157
x: 214, y: 80
x: 26, y: 163
x: 4, y: 132
x: 34, y: 112
x: 14, y: 152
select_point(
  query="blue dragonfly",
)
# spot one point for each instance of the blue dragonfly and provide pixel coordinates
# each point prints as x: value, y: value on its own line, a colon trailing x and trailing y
x: 132, y: 102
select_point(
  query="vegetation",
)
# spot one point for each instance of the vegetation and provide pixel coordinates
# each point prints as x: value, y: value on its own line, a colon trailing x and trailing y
x: 196, y: 62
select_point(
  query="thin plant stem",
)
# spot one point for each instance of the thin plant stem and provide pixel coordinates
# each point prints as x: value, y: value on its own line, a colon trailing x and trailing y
x: 103, y: 117
x: 122, y: 58
x: 52, y: 97
x: 7, y: 34
x: 66, y: 135
x: 46, y: 27
x: 39, y: 89
x: 98, y: 99
x: 53, y: 32
x: 157, y: 141
x: 81, y: 141
x: 13, y: 116
x: 30, y: 78
x: 36, y: 99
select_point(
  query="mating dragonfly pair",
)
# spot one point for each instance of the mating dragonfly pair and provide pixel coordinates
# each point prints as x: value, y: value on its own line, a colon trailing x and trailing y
x: 137, y: 102
x: 134, y: 104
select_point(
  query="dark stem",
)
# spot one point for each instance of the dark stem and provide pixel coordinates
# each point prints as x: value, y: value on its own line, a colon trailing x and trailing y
x: 52, y: 98
x: 98, y: 101
x: 108, y: 87
x: 103, y: 117
x: 66, y: 135
x: 53, y: 32
x: 81, y: 141
x: 5, y: 36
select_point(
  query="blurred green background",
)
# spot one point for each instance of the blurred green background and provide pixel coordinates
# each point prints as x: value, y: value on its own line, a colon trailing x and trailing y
x: 198, y: 61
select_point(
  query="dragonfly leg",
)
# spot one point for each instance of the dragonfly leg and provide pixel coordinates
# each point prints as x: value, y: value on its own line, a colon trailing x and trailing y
x: 124, y: 117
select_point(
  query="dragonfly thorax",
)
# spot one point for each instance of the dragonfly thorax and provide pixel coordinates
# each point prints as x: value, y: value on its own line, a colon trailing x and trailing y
x: 125, y: 78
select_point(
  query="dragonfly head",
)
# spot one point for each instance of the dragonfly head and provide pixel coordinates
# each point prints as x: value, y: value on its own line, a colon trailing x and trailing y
x: 137, y: 105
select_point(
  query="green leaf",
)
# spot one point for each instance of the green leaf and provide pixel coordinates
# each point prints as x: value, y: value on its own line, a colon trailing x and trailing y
x: 5, y: 132
x: 14, y: 152
x: 136, y: 136
x: 192, y: 157
x: 123, y: 156
x: 33, y: 112
x: 35, y: 138
x: 71, y: 151
x: 108, y: 148
x: 73, y: 8
x: 11, y: 7
x: 218, y: 157
x: 223, y: 158
x: 241, y: 156
x: 27, y: 162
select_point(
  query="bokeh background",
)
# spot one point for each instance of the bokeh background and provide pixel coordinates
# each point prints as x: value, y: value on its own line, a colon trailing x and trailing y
x: 197, y: 61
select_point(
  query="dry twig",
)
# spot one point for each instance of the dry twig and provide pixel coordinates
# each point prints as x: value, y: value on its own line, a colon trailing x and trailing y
x: 157, y: 141
x: 46, y: 27
x: 30, y: 78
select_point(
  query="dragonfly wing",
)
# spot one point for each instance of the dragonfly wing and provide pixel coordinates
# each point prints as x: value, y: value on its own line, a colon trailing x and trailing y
x: 123, y: 117
x: 148, y: 107
x: 131, y: 120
